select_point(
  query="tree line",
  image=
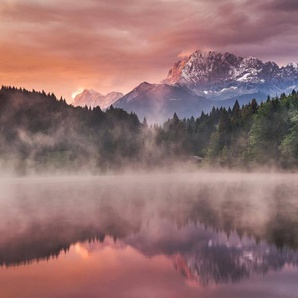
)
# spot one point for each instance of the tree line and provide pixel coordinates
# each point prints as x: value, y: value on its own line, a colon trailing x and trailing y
x: 40, y: 132
x: 251, y: 135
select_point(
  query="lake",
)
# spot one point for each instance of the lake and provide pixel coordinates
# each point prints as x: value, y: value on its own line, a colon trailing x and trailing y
x: 150, y: 235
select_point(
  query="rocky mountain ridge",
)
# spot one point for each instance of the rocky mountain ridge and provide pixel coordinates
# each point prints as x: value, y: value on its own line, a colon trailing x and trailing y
x: 221, y: 76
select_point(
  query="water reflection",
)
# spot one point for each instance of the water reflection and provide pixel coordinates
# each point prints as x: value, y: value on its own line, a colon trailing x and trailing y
x: 211, y: 257
x: 211, y: 228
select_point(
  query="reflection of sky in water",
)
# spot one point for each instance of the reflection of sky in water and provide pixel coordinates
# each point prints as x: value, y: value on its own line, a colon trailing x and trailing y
x: 159, y: 237
x: 117, y: 270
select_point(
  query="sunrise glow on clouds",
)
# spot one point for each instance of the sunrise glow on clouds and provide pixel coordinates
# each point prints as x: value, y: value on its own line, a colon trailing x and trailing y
x: 63, y: 46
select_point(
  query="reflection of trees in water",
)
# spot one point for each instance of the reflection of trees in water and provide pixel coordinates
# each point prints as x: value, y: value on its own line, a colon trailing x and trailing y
x: 233, y: 209
x: 208, y: 257
x: 49, y: 240
x: 227, y: 210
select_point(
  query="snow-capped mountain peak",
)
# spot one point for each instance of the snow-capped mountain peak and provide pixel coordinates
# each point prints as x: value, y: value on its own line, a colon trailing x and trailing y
x: 209, y: 73
x: 92, y: 98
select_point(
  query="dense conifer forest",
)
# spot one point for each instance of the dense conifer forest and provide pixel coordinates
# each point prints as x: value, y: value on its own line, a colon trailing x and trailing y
x: 39, y: 132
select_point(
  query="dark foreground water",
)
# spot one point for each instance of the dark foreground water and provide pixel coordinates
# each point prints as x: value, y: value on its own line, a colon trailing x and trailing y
x: 188, y: 235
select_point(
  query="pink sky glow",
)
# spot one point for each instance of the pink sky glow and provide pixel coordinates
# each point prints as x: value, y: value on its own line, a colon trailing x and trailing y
x: 64, y: 46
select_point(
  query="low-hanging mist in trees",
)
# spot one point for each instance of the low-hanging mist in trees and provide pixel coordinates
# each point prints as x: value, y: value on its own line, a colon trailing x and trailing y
x: 39, y: 132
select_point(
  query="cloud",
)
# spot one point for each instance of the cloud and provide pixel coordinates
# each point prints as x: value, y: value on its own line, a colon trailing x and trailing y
x: 114, y: 45
x: 276, y: 5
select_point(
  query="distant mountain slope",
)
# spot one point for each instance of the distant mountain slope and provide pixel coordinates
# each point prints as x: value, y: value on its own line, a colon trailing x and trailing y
x: 92, y: 99
x: 223, y: 76
x: 158, y: 102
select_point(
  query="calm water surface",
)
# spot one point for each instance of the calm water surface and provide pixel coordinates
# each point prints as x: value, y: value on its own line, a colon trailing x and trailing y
x: 165, y: 235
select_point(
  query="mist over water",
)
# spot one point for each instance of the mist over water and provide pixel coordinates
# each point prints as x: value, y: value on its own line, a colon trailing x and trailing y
x: 199, y: 232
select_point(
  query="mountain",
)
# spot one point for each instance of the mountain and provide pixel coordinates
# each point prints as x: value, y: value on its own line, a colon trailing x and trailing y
x: 158, y: 102
x: 198, y: 82
x: 91, y: 98
x: 220, y: 76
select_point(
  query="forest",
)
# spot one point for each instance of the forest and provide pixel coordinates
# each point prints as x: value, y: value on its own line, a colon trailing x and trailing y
x: 40, y: 133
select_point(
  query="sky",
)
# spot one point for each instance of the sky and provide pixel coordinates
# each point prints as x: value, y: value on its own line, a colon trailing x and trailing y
x: 64, y: 46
